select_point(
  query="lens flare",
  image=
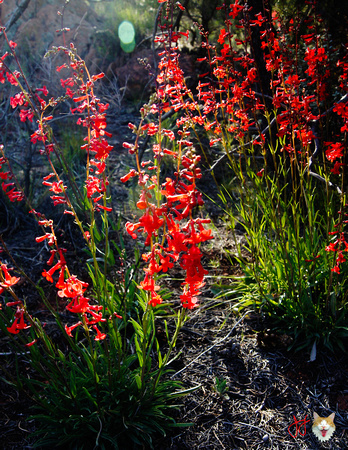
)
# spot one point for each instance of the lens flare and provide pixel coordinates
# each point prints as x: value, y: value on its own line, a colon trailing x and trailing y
x: 126, y: 32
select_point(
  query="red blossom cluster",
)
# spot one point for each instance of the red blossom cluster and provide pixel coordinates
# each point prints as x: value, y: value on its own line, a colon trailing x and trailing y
x: 92, y: 115
x: 232, y: 88
x: 169, y: 235
x: 9, y: 187
x: 18, y: 324
x: 230, y: 99
x: 167, y: 222
x: 6, y: 283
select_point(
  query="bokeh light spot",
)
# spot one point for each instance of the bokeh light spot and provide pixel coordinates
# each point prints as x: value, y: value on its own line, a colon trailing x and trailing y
x: 128, y: 48
x: 126, y: 32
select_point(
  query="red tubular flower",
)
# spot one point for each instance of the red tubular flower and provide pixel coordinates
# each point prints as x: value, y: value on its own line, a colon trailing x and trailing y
x: 148, y: 284
x: 69, y: 329
x: 191, y: 262
x: 155, y: 300
x: 25, y: 114
x: 334, y: 151
x: 73, y: 287
x: 48, y: 275
x: 235, y: 9
x: 18, y: 99
x: 49, y: 236
x: 189, y: 298
x: 16, y: 327
x: 100, y: 336
x: 131, y: 228
x: 93, y: 185
x: 96, y: 317
x: 8, y: 281
x: 336, y: 269
x: 100, y: 147
x: 222, y: 36
x: 130, y: 174
x: 78, y: 305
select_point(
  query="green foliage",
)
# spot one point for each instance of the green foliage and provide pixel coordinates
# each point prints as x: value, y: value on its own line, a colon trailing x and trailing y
x: 103, y: 394
x: 100, y: 402
x: 288, y: 274
x: 221, y: 387
x: 70, y: 142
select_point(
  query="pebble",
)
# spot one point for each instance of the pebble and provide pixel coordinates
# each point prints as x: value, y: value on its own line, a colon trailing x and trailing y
x: 265, y: 438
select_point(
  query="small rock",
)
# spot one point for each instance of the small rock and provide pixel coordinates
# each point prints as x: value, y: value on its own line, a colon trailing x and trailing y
x: 265, y: 438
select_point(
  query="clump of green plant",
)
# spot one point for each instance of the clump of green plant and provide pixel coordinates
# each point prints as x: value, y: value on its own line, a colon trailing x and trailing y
x: 269, y: 103
x: 105, y: 384
x: 289, y: 180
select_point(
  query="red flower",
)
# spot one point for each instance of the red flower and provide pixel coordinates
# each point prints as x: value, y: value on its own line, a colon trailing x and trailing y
x: 25, y: 114
x: 222, y: 36
x: 148, y: 284
x: 336, y: 168
x: 78, y: 305
x: 16, y: 327
x: 191, y: 262
x: 156, y: 299
x: 236, y: 9
x: 189, y: 298
x: 69, y: 329
x: 18, y: 99
x: 73, y: 287
x: 341, y: 109
x: 8, y: 280
x: 48, y: 275
x: 334, y: 151
x: 132, y: 173
x: 100, y: 336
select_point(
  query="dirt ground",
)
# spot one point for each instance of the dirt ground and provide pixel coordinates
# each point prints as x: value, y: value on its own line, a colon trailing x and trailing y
x: 263, y: 389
